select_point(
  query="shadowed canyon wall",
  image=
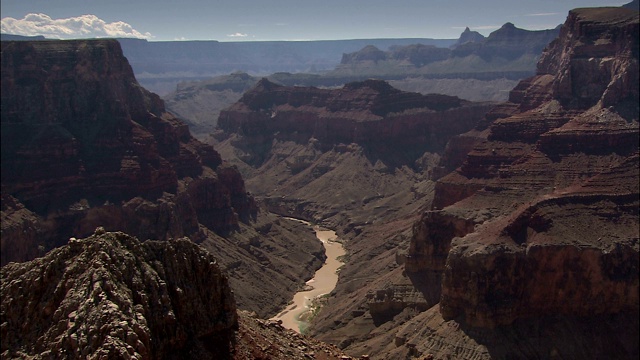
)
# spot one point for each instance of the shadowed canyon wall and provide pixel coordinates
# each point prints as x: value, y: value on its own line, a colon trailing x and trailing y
x: 84, y: 145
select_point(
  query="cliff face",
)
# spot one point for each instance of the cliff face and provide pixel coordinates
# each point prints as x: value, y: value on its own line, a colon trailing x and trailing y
x: 112, y: 296
x: 399, y: 126
x: 542, y: 217
x: 80, y: 137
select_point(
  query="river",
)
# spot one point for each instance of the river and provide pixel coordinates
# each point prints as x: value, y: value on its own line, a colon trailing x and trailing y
x: 322, y: 283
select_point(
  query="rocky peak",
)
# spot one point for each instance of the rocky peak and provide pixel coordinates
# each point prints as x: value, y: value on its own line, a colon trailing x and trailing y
x: 111, y: 295
x: 595, y: 58
x: 469, y: 36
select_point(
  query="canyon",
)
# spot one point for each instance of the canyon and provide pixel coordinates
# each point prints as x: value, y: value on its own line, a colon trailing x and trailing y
x: 472, y: 230
x: 478, y: 243
x: 84, y: 145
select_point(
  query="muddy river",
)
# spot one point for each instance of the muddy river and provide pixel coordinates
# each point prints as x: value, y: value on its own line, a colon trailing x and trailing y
x: 325, y: 279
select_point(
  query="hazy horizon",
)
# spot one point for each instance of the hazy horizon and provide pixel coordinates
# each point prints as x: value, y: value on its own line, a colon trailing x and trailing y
x: 280, y: 20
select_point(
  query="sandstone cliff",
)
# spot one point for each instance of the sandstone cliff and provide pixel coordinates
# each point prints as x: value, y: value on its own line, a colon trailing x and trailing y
x: 541, y: 220
x: 112, y: 296
x: 79, y: 132
x: 84, y: 145
x: 388, y: 123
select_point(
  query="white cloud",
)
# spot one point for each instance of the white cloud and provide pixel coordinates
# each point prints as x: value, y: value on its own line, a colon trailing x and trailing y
x: 238, y: 35
x: 85, y: 26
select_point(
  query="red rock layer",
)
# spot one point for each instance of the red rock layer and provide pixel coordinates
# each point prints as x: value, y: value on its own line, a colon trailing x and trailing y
x: 394, y: 125
x: 541, y: 219
x: 84, y: 145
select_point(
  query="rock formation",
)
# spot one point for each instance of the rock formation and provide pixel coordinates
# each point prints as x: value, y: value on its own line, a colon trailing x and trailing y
x: 469, y: 36
x: 541, y: 220
x: 395, y: 125
x: 79, y: 134
x: 530, y: 246
x: 112, y: 296
x: 84, y: 145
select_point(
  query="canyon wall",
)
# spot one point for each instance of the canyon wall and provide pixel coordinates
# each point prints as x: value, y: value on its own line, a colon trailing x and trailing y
x: 541, y: 219
x: 80, y: 138
x: 393, y: 125
x: 530, y: 245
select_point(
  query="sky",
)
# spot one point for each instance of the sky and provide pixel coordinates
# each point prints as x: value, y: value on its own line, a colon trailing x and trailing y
x: 268, y: 20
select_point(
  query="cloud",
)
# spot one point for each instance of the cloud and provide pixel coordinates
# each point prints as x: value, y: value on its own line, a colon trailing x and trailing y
x: 85, y: 26
x: 238, y: 35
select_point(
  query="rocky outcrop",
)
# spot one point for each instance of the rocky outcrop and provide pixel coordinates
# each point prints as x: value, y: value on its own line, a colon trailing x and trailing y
x: 81, y: 138
x: 394, y: 125
x: 548, y: 196
x: 112, y: 296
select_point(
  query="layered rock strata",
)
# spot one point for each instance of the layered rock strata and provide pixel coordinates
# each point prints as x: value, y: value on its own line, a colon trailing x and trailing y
x: 79, y: 134
x: 543, y: 213
x: 390, y: 124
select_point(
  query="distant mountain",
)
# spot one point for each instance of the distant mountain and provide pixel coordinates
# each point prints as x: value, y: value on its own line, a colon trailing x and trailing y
x: 11, y: 37
x: 508, y: 52
x: 469, y: 36
x: 473, y: 67
x: 160, y: 66
x: 634, y: 5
